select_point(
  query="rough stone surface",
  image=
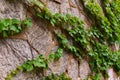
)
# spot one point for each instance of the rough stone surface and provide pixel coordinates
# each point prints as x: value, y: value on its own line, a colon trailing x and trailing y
x: 13, y: 53
x: 72, y: 68
x: 54, y: 9
x: 84, y: 69
x: 59, y: 66
x: 12, y: 9
x: 66, y: 64
x: 39, y: 40
x: 39, y: 36
x: 112, y: 74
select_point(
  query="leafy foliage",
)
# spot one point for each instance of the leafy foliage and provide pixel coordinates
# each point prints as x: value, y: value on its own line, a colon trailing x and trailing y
x: 92, y: 42
x: 9, y: 27
x: 33, y: 65
x: 96, y: 77
x: 115, y: 8
x: 30, y: 65
x: 107, y: 28
x: 113, y: 20
x: 57, y: 55
x: 67, y: 46
x: 101, y: 22
x: 55, y: 77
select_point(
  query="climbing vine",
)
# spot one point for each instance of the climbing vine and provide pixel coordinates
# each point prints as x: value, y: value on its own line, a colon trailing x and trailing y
x: 30, y: 65
x: 56, y: 77
x: 9, y: 27
x: 107, y: 29
x: 38, y: 64
x: 93, y: 43
x: 115, y: 8
x: 113, y: 21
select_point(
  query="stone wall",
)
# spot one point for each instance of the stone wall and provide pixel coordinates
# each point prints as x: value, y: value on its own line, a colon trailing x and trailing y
x: 39, y: 39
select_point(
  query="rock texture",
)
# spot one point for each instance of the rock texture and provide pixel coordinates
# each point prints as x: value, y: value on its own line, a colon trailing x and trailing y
x: 84, y: 69
x: 39, y: 40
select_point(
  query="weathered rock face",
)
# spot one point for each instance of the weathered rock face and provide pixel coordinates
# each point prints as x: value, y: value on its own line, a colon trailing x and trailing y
x: 38, y: 39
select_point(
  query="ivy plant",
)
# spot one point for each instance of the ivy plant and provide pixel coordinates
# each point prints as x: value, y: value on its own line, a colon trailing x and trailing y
x: 10, y: 27
x: 56, y: 77
x: 113, y: 20
x: 92, y: 41
x: 85, y: 42
x: 39, y: 63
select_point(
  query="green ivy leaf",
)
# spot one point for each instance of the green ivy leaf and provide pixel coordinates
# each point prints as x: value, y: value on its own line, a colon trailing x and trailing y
x: 51, y: 56
x: 27, y: 22
x: 5, y: 34
x: 28, y: 67
x: 53, y: 21
x: 13, y: 28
